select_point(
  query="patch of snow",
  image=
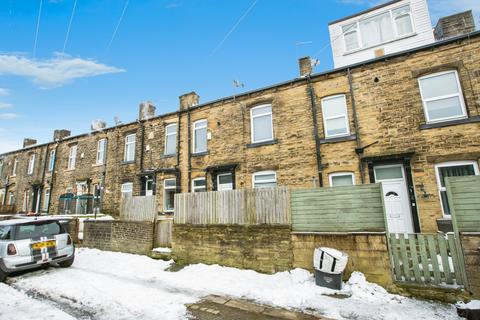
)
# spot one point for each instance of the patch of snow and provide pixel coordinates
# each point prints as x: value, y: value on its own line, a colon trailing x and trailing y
x: 162, y: 250
x: 472, y: 305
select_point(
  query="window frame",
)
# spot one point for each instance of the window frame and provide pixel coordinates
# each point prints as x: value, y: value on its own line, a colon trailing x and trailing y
x: 439, y: 182
x: 46, y: 199
x: 165, y: 188
x: 194, y: 140
x: 252, y: 117
x: 122, y: 188
x: 31, y: 164
x: 225, y: 174
x: 72, y: 157
x: 459, y: 95
x: 101, y: 160
x: 51, y: 160
x: 394, y: 21
x: 339, y: 174
x: 325, y: 119
x: 127, y: 146
x: 11, y: 198
x: 166, y: 139
x: 265, y: 172
x: 194, y: 188
x: 14, y: 169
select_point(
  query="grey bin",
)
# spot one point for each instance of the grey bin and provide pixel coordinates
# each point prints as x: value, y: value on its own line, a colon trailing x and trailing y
x: 328, y: 280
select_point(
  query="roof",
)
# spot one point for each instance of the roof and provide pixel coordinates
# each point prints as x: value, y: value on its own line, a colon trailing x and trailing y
x: 365, y: 11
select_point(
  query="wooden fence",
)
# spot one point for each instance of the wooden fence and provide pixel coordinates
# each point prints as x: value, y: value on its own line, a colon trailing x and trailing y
x: 242, y: 207
x: 163, y: 237
x: 426, y: 258
x: 138, y: 208
x: 339, y: 209
x: 464, y: 200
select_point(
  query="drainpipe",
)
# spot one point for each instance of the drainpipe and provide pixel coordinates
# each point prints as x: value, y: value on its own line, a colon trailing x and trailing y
x: 189, y: 150
x: 315, y: 130
x: 142, y: 143
x: 53, y: 177
x: 43, y: 177
x: 179, y: 181
x: 359, y: 149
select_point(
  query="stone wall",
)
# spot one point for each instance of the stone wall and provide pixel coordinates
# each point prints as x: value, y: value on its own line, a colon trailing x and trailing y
x: 471, y: 251
x: 262, y: 248
x: 122, y: 236
x: 368, y: 253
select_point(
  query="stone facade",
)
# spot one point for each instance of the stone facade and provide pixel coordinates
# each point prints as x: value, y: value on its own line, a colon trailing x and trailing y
x: 386, y: 119
x: 471, y: 251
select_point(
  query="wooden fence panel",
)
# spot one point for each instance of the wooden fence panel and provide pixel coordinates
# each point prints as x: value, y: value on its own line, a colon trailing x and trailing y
x: 138, y: 208
x: 240, y: 207
x: 464, y: 200
x: 338, y: 209
x: 163, y: 236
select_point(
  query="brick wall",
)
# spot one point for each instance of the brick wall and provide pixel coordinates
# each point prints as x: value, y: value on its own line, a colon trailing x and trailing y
x: 368, y: 253
x: 471, y: 251
x: 262, y: 248
x: 122, y: 236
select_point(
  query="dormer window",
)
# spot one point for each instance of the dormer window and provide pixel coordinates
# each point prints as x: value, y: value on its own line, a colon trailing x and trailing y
x: 403, y: 20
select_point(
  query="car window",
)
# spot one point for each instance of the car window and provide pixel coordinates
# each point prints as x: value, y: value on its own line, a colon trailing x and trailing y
x: 5, y: 232
x: 38, y: 229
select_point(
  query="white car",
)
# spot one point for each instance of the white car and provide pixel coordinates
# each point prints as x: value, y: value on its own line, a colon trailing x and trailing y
x: 29, y: 243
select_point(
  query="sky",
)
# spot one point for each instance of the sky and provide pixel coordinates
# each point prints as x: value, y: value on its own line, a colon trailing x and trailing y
x: 65, y: 63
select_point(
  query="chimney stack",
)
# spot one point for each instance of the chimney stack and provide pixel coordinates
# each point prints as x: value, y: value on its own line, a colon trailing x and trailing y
x: 98, y: 125
x: 189, y: 100
x: 454, y: 25
x: 146, y: 111
x: 29, y: 142
x: 305, y: 65
x: 60, y: 134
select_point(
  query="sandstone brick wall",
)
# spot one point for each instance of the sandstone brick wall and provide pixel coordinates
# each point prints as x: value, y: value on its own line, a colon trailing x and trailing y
x: 471, y: 250
x: 262, y: 248
x: 122, y: 236
x: 368, y: 253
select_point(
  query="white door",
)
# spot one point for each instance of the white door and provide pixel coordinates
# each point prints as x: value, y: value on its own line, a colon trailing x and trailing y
x: 149, y: 187
x: 395, y: 193
x: 224, y: 182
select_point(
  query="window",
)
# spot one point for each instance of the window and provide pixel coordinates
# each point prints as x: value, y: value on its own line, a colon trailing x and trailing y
x: 51, y: 162
x: 442, y: 96
x: 101, y: 144
x: 225, y: 181
x: 129, y: 154
x: 340, y: 179
x: 31, y: 164
x: 452, y: 169
x: 149, y: 187
x: 11, y: 198
x: 72, y: 158
x: 169, y: 190
x: 403, y: 20
x: 262, y: 128
x: 46, y: 200
x: 1, y: 168
x: 199, y: 185
x: 350, y: 34
x: 200, y: 136
x: 170, y: 139
x: 264, y: 179
x: 127, y: 189
x: 335, y: 117
x: 14, y: 169
x: 376, y: 30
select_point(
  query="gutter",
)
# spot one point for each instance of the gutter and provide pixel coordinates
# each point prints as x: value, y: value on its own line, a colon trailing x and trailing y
x: 311, y: 93
x: 357, y: 132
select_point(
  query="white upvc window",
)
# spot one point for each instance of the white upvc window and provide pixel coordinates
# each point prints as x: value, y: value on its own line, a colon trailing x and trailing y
x: 261, y: 123
x: 31, y: 164
x: 51, y: 160
x: 14, y: 169
x: 127, y: 189
x: 335, y: 116
x: 442, y: 96
x: 200, y: 136
x: 199, y: 185
x: 101, y: 147
x: 402, y: 18
x: 72, y: 157
x: 129, y: 154
x: 264, y: 179
x: 351, y: 37
x: 225, y: 181
x: 452, y: 169
x: 46, y: 200
x: 169, y: 190
x: 339, y: 179
x: 170, y: 139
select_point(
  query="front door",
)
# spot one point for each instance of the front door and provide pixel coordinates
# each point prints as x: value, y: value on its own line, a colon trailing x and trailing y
x: 395, y: 193
x: 149, y: 187
x: 225, y: 181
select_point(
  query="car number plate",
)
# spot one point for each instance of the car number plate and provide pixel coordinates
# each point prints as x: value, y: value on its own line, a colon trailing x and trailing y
x: 44, y: 244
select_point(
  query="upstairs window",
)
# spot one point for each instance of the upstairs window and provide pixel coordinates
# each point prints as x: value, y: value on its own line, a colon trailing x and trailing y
x: 261, y: 123
x: 403, y: 20
x: 199, y: 185
x: 340, y: 179
x: 101, y: 145
x: 129, y: 153
x: 31, y: 164
x: 376, y: 30
x: 335, y: 117
x: 14, y: 169
x: 72, y: 158
x: 169, y: 190
x: 51, y: 160
x: 442, y: 96
x: 170, y: 139
x: 200, y: 136
x: 264, y: 179
x: 350, y: 34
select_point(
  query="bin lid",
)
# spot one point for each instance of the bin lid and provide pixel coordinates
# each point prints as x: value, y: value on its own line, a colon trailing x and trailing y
x: 339, y: 255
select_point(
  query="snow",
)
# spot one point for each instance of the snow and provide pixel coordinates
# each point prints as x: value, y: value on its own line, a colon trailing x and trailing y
x: 162, y: 250
x: 472, y: 305
x: 125, y: 286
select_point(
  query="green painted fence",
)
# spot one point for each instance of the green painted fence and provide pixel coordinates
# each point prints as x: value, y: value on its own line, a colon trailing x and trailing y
x: 464, y: 200
x: 339, y: 209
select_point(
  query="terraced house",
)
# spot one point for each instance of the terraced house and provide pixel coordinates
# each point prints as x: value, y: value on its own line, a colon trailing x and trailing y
x: 401, y: 107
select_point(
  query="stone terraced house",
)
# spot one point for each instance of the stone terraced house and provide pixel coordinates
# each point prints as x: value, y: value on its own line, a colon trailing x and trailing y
x: 402, y: 107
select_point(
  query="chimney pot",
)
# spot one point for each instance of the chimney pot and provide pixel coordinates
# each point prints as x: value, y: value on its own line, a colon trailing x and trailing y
x: 29, y: 142
x: 146, y: 110
x: 60, y: 134
x: 305, y: 65
x: 189, y: 100
x: 98, y: 125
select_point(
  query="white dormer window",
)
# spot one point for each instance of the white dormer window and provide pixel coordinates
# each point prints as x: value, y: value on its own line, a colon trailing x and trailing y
x: 350, y: 33
x: 403, y: 20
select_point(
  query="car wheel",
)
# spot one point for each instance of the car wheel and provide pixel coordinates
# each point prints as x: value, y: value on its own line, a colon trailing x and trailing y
x: 3, y: 276
x: 67, y: 263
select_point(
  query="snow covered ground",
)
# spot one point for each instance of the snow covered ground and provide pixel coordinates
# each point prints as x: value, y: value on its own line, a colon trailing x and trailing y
x: 107, y: 285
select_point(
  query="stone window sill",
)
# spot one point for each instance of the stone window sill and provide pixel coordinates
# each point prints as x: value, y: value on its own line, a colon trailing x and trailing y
x: 449, y: 123
x: 338, y: 139
x: 128, y: 162
x: 200, y: 154
x: 167, y: 156
x: 69, y: 170
x: 98, y: 165
x: 261, y: 144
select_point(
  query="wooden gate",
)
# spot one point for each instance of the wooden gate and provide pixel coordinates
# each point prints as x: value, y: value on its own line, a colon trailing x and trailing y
x: 427, y: 259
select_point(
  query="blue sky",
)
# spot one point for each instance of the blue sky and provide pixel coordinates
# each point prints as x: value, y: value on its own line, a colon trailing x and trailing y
x: 119, y: 53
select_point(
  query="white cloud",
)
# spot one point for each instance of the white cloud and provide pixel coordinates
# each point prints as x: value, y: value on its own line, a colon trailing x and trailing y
x: 54, y: 72
x: 4, y: 92
x: 8, y: 116
x: 4, y: 105
x: 7, y: 145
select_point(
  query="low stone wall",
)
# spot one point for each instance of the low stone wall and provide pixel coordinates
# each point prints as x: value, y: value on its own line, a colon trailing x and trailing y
x: 471, y: 251
x: 116, y: 235
x: 368, y: 253
x: 264, y: 248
